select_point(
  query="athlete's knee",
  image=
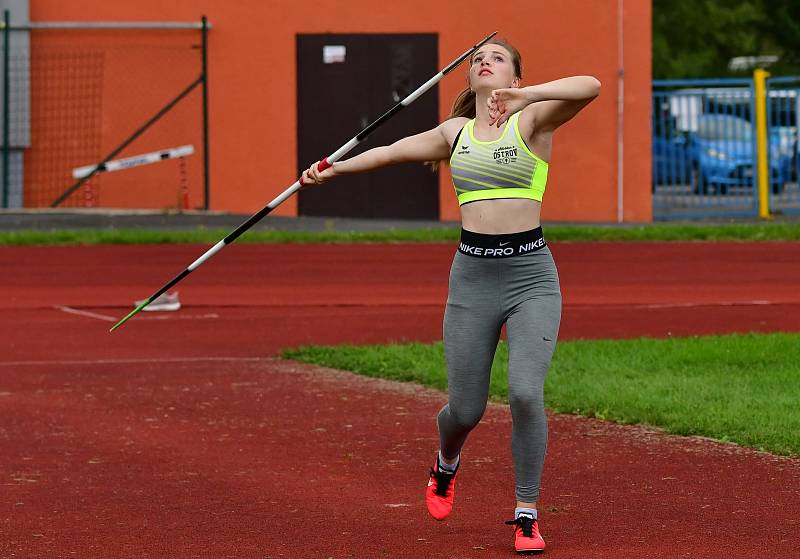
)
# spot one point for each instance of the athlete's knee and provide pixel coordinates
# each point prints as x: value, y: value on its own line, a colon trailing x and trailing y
x: 527, y: 402
x: 465, y: 417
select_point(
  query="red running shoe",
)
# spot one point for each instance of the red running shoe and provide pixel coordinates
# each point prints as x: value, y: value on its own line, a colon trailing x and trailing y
x: 526, y: 534
x: 440, y: 492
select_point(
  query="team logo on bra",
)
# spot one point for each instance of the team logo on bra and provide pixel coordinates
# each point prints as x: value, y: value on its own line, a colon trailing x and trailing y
x: 505, y: 155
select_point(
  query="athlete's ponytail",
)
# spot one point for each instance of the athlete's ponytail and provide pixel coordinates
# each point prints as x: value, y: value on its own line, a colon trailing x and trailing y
x: 464, y: 105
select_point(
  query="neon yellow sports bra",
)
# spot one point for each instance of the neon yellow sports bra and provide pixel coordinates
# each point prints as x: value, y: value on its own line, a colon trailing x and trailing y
x: 503, y: 168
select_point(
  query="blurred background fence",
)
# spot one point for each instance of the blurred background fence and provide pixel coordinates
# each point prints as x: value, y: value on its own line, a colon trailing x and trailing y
x: 705, y: 147
x: 90, y: 94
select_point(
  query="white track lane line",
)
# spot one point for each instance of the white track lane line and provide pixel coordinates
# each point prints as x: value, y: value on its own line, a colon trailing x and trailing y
x: 178, y: 316
x: 691, y: 305
x: 88, y: 314
x: 107, y: 318
x: 134, y: 361
x: 677, y: 305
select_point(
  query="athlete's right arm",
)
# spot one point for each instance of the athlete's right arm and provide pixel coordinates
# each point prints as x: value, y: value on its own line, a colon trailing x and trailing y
x: 426, y: 146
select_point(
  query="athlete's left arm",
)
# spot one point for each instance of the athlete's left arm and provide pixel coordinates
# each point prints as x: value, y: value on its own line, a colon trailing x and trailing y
x: 554, y: 103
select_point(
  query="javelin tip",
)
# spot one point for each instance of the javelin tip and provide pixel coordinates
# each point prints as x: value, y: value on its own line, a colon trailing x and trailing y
x: 130, y: 314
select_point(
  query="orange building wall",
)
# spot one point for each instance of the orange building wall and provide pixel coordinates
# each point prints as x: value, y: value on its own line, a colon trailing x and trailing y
x: 252, y: 71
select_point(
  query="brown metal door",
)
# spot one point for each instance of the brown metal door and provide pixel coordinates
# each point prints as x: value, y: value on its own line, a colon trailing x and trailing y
x: 344, y: 83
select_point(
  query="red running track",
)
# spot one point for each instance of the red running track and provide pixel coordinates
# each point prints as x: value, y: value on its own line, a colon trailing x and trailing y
x: 265, y: 297
x: 180, y: 436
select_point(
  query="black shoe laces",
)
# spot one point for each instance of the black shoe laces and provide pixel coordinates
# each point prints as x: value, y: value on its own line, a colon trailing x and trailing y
x: 443, y: 480
x: 524, y: 522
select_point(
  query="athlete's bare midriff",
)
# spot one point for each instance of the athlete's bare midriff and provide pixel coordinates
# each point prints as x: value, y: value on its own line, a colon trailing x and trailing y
x: 501, y: 216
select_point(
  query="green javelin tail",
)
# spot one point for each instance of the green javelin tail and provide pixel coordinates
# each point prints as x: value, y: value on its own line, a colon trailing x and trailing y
x: 130, y: 314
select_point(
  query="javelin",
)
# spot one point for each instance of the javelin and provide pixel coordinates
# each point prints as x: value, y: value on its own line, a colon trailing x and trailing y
x: 324, y: 164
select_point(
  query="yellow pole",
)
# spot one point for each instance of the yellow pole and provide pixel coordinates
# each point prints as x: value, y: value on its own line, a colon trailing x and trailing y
x: 760, y: 83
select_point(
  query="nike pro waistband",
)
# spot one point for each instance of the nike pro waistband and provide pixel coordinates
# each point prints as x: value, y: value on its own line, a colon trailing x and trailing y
x: 501, y: 246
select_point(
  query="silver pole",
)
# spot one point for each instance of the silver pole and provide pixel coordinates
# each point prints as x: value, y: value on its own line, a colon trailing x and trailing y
x: 104, y: 25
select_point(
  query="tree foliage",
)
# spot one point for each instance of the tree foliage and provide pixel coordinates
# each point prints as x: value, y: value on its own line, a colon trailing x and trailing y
x: 698, y: 38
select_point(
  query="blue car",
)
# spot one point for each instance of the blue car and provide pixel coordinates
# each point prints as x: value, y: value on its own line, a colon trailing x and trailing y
x: 671, y: 162
x: 722, y: 155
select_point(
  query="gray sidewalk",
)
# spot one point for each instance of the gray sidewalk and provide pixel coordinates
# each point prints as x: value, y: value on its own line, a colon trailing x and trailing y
x: 142, y: 219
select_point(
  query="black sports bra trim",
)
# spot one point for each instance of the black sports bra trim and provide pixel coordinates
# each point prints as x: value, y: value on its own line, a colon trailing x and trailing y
x: 455, y: 142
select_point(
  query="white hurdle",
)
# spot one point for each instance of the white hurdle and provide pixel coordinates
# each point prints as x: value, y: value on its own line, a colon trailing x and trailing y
x: 135, y: 161
x: 179, y: 152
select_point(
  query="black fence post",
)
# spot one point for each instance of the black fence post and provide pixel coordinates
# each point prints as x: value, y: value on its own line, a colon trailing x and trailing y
x: 6, y: 103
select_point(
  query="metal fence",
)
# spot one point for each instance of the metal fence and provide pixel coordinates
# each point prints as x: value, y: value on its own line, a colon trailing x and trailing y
x: 783, y: 106
x: 105, y: 96
x: 705, y: 148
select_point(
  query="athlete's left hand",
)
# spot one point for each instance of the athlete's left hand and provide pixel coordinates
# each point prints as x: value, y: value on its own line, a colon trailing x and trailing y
x: 503, y: 103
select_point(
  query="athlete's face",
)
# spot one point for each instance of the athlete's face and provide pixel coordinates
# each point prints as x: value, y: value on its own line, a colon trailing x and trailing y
x: 492, y: 68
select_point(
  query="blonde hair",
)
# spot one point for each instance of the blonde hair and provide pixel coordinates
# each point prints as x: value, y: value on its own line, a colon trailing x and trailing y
x: 464, y: 105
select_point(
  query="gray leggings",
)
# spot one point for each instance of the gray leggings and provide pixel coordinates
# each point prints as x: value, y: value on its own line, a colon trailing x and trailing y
x: 522, y: 292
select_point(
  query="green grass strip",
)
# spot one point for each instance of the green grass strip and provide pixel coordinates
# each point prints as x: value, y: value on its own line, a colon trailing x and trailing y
x: 737, y: 388
x: 784, y: 231
x: 211, y: 236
